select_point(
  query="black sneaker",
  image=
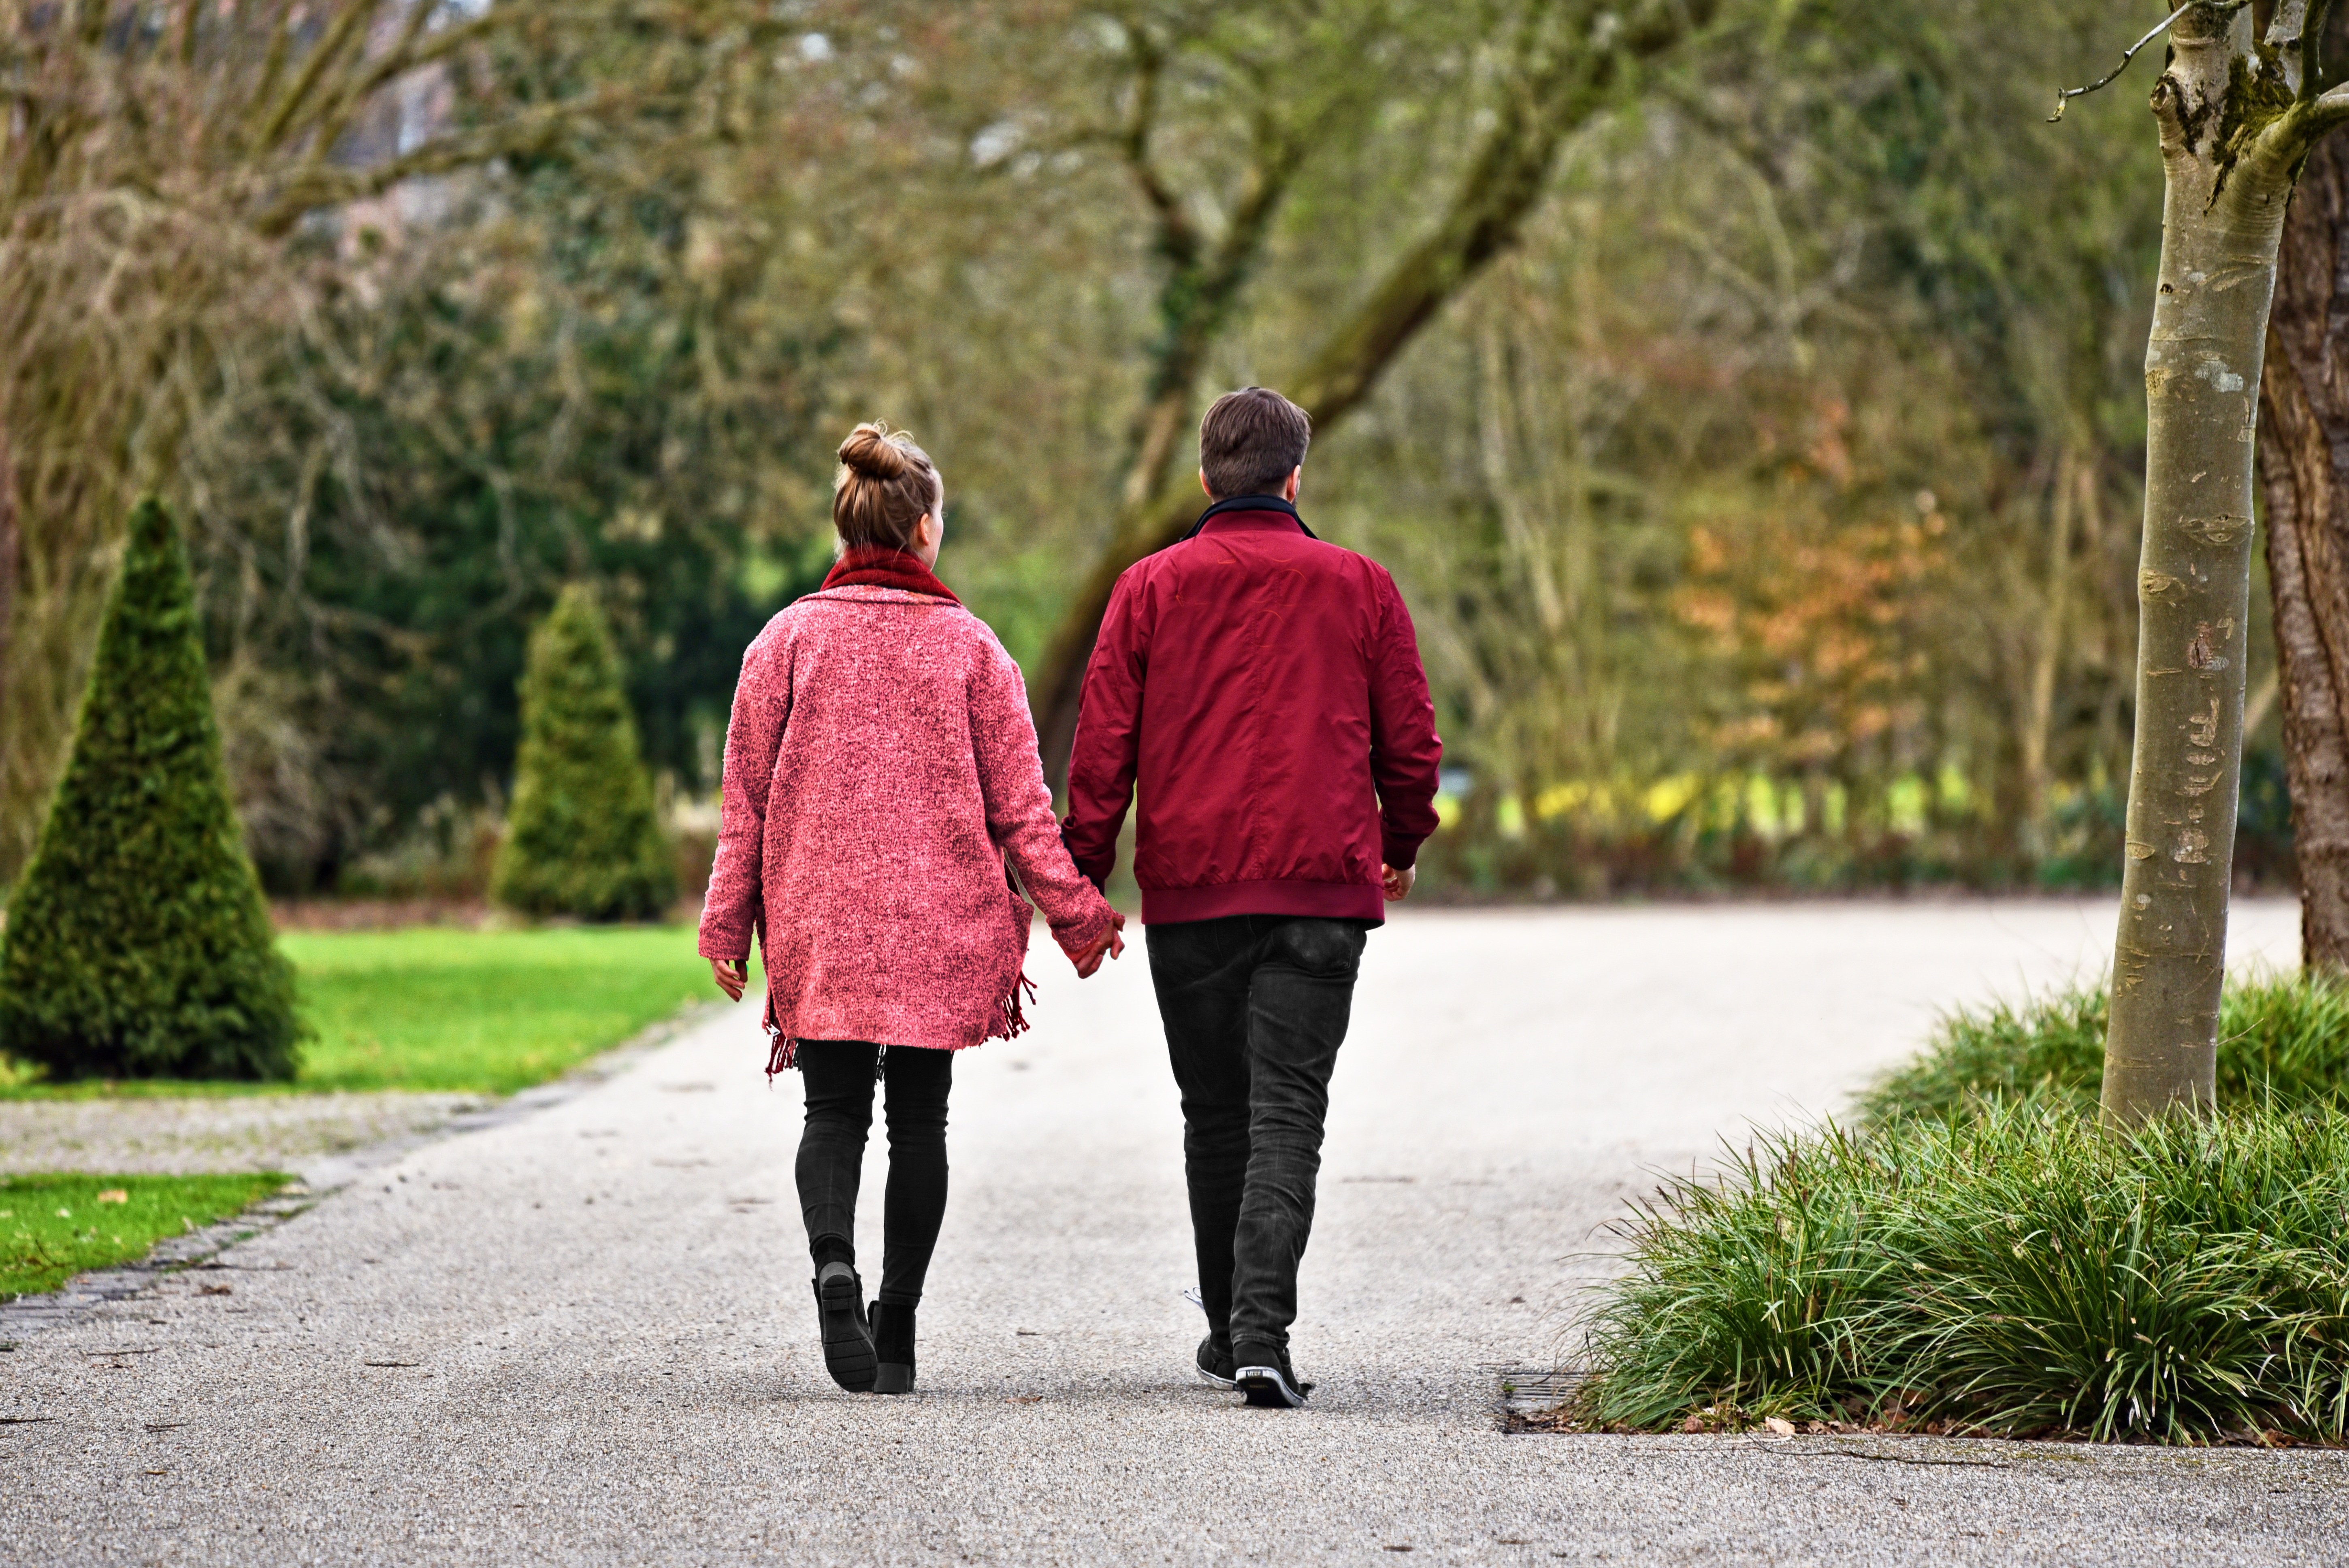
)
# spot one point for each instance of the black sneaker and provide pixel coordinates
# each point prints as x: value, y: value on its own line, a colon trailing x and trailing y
x: 1262, y: 1373
x: 1216, y: 1360
x: 847, y: 1339
x: 893, y: 1343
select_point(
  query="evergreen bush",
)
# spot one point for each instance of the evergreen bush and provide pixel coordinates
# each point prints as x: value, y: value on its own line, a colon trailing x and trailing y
x: 138, y: 943
x: 582, y: 838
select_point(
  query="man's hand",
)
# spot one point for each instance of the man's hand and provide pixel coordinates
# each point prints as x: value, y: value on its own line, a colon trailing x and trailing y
x: 1396, y: 884
x: 730, y: 976
x: 1111, y: 942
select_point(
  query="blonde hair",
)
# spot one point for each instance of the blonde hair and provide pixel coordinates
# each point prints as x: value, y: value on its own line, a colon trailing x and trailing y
x: 884, y: 485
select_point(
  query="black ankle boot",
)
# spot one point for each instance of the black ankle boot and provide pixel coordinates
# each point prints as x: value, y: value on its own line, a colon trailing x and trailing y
x: 893, y: 1348
x: 840, y: 1317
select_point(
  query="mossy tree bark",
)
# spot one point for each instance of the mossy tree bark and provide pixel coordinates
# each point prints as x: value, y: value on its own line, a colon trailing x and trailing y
x: 2238, y: 116
x: 2303, y: 459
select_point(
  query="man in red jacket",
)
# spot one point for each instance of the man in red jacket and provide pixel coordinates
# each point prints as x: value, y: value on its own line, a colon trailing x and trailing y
x: 1265, y: 690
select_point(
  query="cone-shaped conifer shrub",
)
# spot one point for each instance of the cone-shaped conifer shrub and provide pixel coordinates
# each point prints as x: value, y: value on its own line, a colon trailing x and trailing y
x: 582, y: 838
x: 138, y: 943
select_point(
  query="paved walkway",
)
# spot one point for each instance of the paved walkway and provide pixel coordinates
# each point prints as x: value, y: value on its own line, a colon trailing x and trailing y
x: 583, y: 1335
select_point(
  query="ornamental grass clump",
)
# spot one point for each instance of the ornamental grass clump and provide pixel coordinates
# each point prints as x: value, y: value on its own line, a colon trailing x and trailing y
x: 2282, y: 1041
x: 138, y: 943
x: 2014, y: 1271
x: 582, y: 838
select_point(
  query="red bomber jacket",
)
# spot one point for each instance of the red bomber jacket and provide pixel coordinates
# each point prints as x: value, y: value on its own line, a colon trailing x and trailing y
x: 1264, y: 691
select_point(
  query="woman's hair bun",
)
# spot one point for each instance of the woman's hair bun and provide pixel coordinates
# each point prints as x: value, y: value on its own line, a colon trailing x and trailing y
x: 877, y: 452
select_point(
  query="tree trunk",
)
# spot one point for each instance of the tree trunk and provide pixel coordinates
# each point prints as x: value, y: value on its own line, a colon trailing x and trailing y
x: 2234, y: 129
x: 2303, y: 456
x: 2039, y: 709
x: 8, y: 541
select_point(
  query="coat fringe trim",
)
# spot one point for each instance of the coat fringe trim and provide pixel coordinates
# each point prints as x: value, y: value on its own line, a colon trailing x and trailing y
x: 784, y: 1057
x: 1010, y: 1023
x: 1011, y: 1016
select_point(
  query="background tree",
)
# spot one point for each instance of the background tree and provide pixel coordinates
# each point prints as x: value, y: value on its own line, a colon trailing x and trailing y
x: 2236, y: 119
x: 157, y: 169
x: 2304, y: 463
x: 581, y: 838
x: 1560, y: 63
x: 138, y: 944
x: 1793, y: 293
x: 593, y: 372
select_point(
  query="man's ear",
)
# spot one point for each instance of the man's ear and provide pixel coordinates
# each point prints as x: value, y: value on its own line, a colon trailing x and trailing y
x: 1296, y: 482
x: 1205, y: 486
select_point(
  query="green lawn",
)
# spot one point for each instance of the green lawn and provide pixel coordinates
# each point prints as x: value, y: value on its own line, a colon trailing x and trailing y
x: 435, y: 1007
x: 54, y: 1227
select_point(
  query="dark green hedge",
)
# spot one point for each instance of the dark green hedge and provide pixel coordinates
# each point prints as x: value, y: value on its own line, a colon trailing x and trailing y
x: 582, y: 838
x: 138, y: 943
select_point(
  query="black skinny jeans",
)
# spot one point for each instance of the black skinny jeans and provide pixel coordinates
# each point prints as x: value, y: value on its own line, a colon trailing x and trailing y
x: 839, y: 1075
x: 1255, y: 1006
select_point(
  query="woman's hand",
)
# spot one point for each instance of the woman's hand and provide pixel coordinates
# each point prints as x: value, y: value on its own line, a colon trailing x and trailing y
x: 1111, y: 942
x: 729, y: 975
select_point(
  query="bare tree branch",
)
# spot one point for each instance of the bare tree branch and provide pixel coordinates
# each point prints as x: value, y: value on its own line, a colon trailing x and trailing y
x: 2064, y: 96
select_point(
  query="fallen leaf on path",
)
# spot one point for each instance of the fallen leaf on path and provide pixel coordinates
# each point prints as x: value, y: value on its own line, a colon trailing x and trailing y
x: 1779, y: 1427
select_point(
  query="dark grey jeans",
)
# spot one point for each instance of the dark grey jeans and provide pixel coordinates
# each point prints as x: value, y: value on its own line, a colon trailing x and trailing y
x: 1255, y: 1006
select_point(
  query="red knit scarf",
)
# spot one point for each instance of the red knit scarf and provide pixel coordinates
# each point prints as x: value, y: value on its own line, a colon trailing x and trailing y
x: 886, y: 566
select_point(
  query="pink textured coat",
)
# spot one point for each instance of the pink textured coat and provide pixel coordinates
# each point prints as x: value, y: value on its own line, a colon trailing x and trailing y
x: 880, y: 768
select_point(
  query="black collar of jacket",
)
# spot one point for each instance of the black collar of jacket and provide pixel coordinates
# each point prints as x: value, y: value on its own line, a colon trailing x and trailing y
x: 1250, y: 503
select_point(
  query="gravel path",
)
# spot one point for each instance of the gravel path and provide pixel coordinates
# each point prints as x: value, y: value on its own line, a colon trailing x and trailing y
x: 213, y: 1132
x: 583, y: 1335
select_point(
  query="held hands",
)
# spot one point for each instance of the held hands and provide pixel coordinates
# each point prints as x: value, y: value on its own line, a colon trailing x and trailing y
x: 730, y: 976
x: 1396, y: 884
x: 1111, y: 942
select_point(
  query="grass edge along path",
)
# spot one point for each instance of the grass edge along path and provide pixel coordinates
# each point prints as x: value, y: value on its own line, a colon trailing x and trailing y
x: 2283, y: 1039
x: 54, y: 1226
x: 2014, y: 1273
x: 450, y: 1010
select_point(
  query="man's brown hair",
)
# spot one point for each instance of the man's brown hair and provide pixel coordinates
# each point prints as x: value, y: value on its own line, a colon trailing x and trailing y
x: 1251, y: 442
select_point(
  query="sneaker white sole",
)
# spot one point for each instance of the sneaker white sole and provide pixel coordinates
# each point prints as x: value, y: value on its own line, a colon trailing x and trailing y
x: 1266, y: 1388
x: 1210, y: 1378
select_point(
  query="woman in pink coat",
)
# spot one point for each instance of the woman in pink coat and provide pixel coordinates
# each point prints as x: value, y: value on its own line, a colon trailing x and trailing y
x: 884, y: 810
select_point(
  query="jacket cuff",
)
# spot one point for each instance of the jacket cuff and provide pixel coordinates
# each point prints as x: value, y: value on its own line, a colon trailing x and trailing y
x: 1398, y: 853
x: 1082, y: 934
x: 720, y: 943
